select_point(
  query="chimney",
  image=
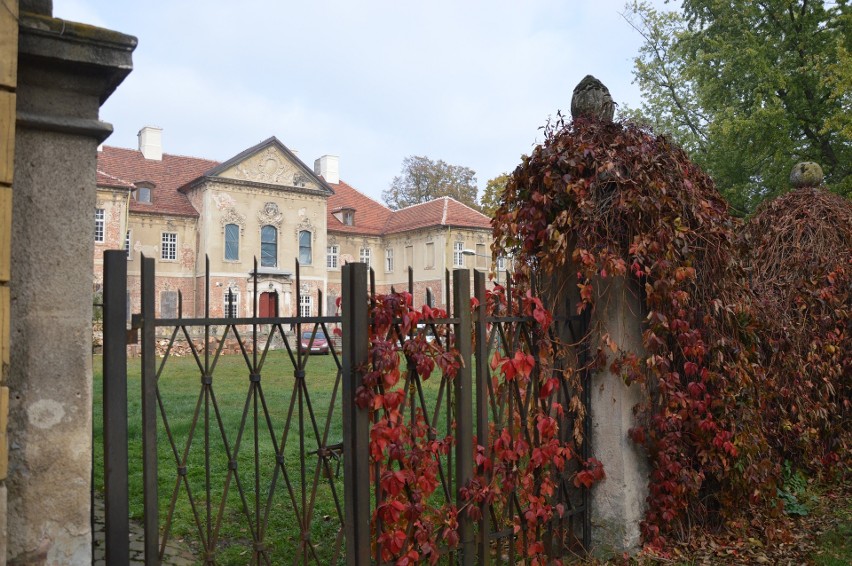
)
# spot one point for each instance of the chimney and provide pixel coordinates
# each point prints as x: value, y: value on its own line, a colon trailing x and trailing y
x: 328, y: 166
x: 151, y: 142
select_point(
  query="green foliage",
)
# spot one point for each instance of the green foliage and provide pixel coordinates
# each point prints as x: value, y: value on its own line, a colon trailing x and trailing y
x: 793, y: 491
x: 492, y: 194
x: 750, y: 88
x: 423, y: 179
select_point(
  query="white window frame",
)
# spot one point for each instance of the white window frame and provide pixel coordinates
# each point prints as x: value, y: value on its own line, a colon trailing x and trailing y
x: 331, y: 256
x: 168, y: 246
x: 389, y: 260
x: 128, y: 240
x: 100, y: 225
x: 306, y: 301
x: 366, y: 256
x: 458, y: 254
x: 231, y: 309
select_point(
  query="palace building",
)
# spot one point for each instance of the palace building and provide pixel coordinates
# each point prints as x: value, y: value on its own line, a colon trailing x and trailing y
x: 266, y: 203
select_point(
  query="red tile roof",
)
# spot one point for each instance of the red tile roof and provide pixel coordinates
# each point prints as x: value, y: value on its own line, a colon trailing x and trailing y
x: 370, y: 216
x: 113, y: 182
x: 374, y: 218
x: 173, y: 171
x: 444, y: 211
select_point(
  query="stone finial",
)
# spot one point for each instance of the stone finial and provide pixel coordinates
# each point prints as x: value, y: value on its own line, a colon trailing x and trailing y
x: 591, y: 98
x: 806, y: 174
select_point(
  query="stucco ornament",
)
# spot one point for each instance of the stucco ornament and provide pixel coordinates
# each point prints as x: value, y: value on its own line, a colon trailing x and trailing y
x: 224, y: 201
x: 187, y: 256
x: 270, y: 214
x: 266, y: 167
x: 305, y: 224
x: 231, y: 216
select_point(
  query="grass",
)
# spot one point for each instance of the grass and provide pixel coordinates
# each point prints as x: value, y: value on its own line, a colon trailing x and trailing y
x: 264, y: 490
x: 835, y: 544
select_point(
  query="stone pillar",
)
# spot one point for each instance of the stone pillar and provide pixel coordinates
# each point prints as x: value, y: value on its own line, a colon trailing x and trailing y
x: 618, y: 502
x: 8, y: 86
x: 65, y: 72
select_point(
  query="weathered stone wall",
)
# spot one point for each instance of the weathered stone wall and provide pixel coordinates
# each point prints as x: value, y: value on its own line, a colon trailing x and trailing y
x: 65, y: 72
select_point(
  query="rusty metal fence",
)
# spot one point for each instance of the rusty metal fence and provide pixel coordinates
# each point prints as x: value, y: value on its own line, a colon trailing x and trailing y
x: 253, y: 485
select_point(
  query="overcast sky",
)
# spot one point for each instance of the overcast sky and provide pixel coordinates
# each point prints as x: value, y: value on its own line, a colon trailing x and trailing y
x: 469, y: 82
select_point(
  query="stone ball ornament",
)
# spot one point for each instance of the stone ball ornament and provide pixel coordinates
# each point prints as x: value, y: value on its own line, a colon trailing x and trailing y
x: 806, y: 174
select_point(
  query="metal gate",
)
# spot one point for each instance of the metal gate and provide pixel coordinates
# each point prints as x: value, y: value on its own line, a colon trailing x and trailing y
x: 293, y: 446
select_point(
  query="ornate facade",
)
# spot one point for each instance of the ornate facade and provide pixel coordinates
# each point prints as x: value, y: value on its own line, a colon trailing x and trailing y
x: 265, y: 203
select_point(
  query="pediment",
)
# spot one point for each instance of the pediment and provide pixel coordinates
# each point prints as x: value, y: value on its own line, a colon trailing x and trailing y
x: 270, y: 163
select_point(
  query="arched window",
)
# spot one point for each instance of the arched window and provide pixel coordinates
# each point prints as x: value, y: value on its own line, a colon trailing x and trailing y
x: 232, y: 242
x: 268, y: 246
x: 305, y: 256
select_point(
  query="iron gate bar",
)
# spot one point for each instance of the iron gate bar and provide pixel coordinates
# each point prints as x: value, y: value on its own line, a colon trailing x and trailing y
x: 149, y: 416
x: 507, y: 332
x: 464, y: 405
x: 483, y: 379
x: 116, y: 502
x: 356, y: 421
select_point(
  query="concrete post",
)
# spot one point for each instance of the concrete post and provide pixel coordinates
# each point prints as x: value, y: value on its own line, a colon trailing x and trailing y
x: 618, y: 503
x: 65, y: 72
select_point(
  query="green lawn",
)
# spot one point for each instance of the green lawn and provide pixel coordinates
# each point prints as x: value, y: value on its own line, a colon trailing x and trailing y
x: 180, y: 388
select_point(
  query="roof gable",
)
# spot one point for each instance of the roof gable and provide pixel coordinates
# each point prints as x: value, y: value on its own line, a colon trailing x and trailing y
x: 270, y: 163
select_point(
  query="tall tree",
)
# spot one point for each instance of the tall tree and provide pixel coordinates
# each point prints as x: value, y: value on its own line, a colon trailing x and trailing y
x: 750, y: 88
x: 492, y: 194
x: 422, y: 180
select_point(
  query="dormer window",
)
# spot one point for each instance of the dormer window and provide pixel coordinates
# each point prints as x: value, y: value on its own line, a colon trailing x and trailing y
x: 143, y: 192
x: 349, y: 217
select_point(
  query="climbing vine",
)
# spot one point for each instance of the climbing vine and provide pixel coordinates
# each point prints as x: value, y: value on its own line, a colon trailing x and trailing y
x: 517, y: 471
x: 602, y: 200
x: 799, y: 249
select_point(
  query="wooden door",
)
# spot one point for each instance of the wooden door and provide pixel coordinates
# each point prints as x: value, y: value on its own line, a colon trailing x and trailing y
x: 268, y: 305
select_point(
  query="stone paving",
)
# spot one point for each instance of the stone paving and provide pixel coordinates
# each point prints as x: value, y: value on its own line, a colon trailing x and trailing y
x: 176, y: 554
